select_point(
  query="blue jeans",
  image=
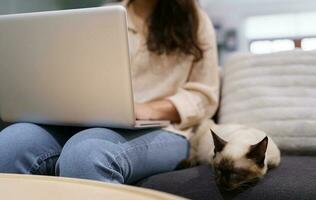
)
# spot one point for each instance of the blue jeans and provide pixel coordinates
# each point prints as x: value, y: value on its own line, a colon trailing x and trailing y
x: 109, y: 155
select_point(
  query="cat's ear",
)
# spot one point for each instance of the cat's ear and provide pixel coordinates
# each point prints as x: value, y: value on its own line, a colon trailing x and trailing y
x: 219, y: 143
x: 257, y: 152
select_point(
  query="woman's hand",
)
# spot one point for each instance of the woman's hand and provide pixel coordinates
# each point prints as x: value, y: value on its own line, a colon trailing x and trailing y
x: 144, y: 111
x: 157, y: 110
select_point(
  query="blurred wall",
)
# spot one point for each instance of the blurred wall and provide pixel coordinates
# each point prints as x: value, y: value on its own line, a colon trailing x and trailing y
x: 21, y: 6
x: 5, y: 7
x: 231, y: 14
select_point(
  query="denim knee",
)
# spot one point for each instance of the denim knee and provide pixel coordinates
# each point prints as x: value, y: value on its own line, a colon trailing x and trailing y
x: 27, y: 148
x: 96, y: 134
x: 90, y: 155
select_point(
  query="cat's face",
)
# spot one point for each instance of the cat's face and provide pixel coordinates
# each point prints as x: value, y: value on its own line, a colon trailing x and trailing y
x: 233, y: 172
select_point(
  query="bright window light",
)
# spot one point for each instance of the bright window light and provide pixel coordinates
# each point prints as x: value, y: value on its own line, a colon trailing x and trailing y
x: 281, y: 26
x: 261, y: 47
x: 282, y: 45
x: 309, y: 44
x: 266, y: 46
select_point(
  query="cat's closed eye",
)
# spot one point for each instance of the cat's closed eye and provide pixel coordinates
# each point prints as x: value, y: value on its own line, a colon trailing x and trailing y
x: 231, y: 174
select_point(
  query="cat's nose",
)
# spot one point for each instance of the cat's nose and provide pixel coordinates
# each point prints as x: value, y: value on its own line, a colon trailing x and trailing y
x: 228, y: 187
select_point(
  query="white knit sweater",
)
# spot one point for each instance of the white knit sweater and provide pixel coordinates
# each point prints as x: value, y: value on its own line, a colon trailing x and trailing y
x: 192, y: 87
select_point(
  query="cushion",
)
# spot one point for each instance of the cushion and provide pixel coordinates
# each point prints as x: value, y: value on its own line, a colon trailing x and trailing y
x: 294, y: 179
x: 275, y: 93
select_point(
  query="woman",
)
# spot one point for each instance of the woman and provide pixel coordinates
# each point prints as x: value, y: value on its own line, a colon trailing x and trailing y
x: 175, y: 77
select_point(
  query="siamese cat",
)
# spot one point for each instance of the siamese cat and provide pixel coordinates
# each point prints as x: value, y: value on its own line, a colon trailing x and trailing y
x: 239, y: 155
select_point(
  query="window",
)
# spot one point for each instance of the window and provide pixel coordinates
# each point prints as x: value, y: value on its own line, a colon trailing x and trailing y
x: 273, y: 33
x: 267, y: 46
x: 309, y: 44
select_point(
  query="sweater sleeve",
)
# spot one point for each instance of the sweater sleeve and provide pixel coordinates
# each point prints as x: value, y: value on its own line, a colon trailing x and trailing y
x: 199, y: 96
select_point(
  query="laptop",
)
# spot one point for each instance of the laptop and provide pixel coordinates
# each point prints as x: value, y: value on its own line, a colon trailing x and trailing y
x: 69, y: 67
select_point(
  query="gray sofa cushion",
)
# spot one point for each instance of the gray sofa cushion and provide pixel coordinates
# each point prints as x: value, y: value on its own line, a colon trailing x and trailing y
x: 294, y: 179
x: 275, y: 93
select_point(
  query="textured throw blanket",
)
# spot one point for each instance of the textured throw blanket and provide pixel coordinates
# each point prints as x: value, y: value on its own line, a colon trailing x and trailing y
x: 275, y: 93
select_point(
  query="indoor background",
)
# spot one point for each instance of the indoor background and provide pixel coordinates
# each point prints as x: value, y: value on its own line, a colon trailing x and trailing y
x: 259, y: 26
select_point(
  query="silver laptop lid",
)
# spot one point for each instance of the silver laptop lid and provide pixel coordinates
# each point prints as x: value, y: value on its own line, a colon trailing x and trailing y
x: 66, y: 67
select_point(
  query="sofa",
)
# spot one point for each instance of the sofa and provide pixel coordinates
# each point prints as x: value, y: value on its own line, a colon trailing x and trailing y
x: 275, y: 93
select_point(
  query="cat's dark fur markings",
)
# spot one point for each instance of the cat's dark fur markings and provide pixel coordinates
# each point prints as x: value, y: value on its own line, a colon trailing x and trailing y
x: 239, y: 155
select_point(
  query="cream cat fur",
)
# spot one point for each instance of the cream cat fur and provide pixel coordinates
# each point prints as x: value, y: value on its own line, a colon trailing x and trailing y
x: 239, y: 139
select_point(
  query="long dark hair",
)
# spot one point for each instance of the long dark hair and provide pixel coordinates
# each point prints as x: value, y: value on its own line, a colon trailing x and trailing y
x: 173, y: 27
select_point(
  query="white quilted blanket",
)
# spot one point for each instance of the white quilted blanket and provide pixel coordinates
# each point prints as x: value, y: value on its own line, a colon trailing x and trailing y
x: 275, y: 93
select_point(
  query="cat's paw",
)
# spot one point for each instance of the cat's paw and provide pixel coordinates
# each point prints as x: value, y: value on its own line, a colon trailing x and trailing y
x: 274, y: 162
x: 186, y: 164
